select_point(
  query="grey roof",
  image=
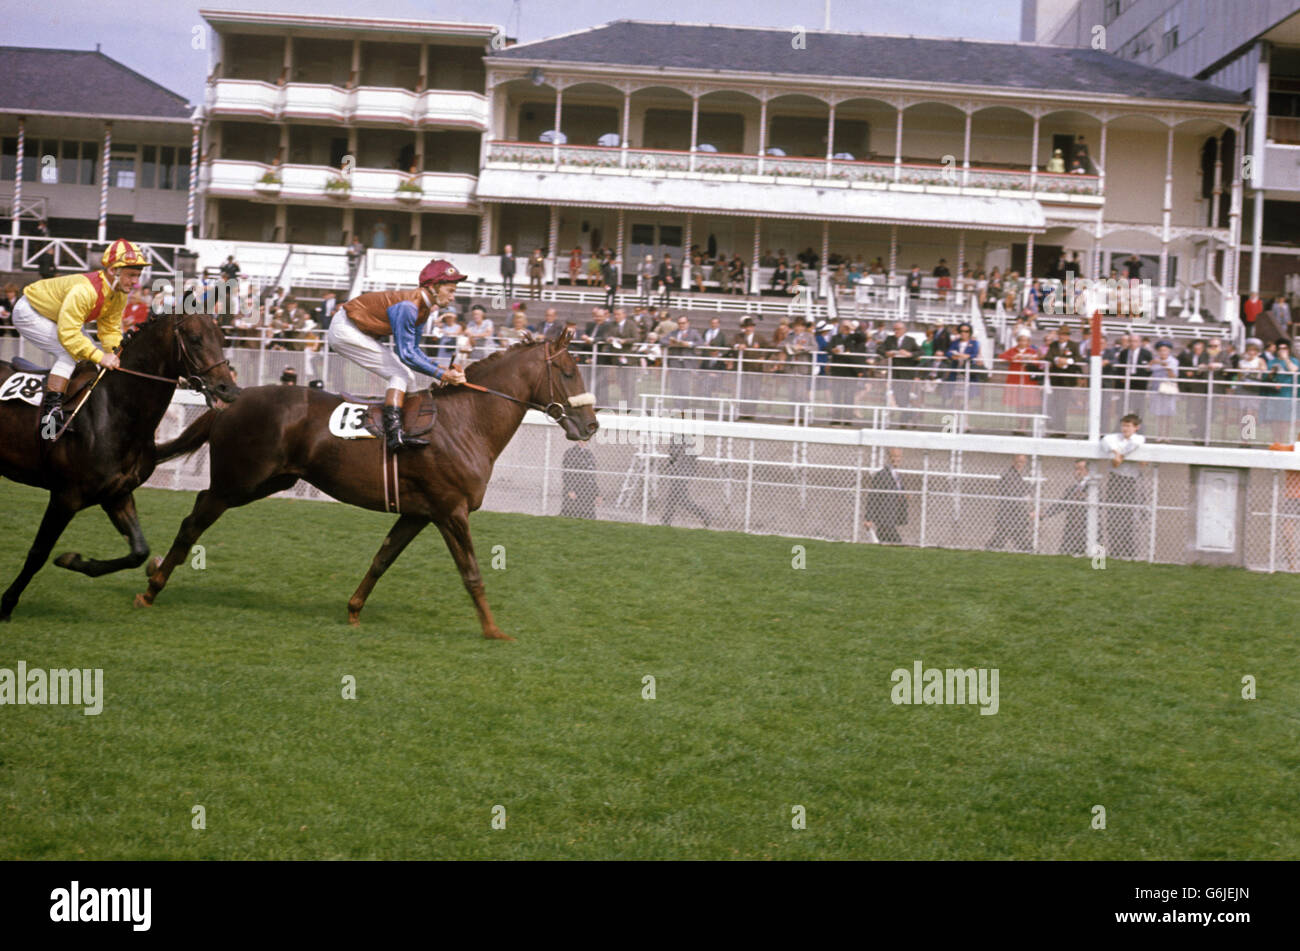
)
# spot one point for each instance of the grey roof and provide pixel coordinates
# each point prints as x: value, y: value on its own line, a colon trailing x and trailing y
x: 81, y: 81
x: 900, y: 58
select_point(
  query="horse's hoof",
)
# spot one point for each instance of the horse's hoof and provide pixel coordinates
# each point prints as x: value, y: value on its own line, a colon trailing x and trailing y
x: 143, y: 601
x: 354, y: 620
x: 496, y: 634
x: 67, y: 559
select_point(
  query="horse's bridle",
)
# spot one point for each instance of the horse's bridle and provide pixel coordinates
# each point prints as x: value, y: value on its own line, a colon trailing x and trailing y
x: 193, y: 379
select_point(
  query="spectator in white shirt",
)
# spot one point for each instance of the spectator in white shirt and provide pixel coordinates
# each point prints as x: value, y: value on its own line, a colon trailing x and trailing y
x: 1122, y: 487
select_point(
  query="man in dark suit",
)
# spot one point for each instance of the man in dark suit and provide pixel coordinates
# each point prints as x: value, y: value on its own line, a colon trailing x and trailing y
x: 668, y: 279
x: 1075, y: 506
x: 678, y: 469
x: 579, y: 488
x: 886, y: 506
x: 508, y: 271
x: 902, y: 355
x: 1014, y: 516
x: 1193, y: 370
x: 609, y: 274
x: 1064, y: 370
x: 848, y: 355
x: 715, y: 345
x: 1133, y: 369
x: 747, y: 347
x: 552, y: 326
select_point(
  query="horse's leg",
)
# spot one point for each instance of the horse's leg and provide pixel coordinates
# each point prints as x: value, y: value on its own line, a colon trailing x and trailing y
x: 398, y: 537
x: 208, y: 507
x: 455, y: 532
x: 121, y: 511
x: 57, y: 516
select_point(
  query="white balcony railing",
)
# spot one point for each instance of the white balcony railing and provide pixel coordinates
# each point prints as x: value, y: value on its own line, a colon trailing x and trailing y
x: 380, y: 104
x: 244, y: 97
x: 234, y: 178
x: 434, y: 107
x: 452, y: 107
x: 720, y: 165
x: 314, y: 101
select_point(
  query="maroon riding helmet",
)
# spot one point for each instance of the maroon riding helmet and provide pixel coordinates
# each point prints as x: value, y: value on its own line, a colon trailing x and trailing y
x: 439, y: 271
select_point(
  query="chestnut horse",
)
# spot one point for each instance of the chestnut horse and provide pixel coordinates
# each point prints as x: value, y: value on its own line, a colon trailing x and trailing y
x: 276, y: 435
x: 108, y: 450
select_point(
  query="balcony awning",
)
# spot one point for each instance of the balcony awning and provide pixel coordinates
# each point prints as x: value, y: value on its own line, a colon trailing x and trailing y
x: 542, y: 186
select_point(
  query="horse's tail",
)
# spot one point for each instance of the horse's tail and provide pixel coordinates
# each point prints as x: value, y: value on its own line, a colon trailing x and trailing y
x: 194, y: 436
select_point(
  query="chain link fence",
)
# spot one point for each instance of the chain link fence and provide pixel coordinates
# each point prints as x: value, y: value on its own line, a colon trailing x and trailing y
x: 642, y: 471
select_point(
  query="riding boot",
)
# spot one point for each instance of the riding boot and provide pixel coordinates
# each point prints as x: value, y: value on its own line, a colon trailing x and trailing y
x: 51, y: 409
x: 397, y: 439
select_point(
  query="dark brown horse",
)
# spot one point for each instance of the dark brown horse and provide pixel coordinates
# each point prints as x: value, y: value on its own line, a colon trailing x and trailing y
x: 108, y: 451
x: 276, y: 435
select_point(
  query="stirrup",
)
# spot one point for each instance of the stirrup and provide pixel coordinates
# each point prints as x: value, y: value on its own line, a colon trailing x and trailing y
x: 397, y: 440
x: 51, y: 418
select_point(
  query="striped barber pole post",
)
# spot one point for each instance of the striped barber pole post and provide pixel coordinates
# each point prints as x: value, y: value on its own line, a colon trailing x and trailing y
x: 18, y: 177
x: 103, y: 182
x: 194, y: 181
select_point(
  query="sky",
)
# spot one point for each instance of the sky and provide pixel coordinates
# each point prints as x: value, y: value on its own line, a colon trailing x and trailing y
x: 157, y: 37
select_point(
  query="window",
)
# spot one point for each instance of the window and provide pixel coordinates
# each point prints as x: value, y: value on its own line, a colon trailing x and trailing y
x: 1112, y: 11
x: 181, y: 179
x: 167, y: 169
x: 1170, y: 42
x: 148, y: 166
x: 89, y: 163
x: 33, y: 149
x: 121, y: 167
x: 68, y: 162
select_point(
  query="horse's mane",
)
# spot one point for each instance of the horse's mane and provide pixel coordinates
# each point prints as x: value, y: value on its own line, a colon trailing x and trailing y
x: 475, y: 371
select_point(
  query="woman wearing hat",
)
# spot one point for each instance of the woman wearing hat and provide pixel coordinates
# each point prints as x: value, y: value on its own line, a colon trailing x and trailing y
x: 1019, y: 391
x: 52, y: 313
x: 1163, y: 389
x: 356, y: 332
x: 1283, y: 372
x: 1251, y: 370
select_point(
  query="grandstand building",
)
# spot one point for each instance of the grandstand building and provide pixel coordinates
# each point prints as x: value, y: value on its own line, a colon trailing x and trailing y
x: 100, y: 148
x: 320, y: 128
x: 648, y: 138
x: 1251, y: 48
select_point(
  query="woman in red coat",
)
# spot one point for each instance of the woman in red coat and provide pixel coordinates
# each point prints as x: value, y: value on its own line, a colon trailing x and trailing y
x: 1020, y: 392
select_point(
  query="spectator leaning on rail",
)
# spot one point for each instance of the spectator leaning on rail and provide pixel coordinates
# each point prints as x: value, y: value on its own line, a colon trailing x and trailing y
x: 355, y: 334
x: 52, y: 313
x: 1122, y: 487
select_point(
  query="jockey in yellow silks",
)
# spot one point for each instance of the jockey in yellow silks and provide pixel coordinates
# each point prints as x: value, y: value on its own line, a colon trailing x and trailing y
x: 51, y: 314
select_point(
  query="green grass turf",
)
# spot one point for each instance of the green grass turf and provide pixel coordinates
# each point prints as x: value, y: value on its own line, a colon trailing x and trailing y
x: 1118, y: 687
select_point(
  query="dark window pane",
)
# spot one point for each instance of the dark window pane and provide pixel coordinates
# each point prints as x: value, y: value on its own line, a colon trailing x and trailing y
x: 182, y: 168
x: 8, y: 159
x: 89, y: 163
x: 148, y: 166
x: 68, y: 163
x: 31, y: 159
x: 167, y: 173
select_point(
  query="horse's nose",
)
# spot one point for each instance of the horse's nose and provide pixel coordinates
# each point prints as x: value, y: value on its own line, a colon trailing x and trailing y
x: 592, y: 427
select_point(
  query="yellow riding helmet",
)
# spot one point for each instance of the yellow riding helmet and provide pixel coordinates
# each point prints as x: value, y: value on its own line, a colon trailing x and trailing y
x: 122, y: 253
